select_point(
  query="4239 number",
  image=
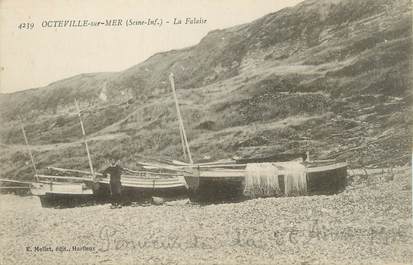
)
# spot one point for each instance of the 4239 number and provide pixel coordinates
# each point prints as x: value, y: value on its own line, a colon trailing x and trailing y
x: 26, y: 25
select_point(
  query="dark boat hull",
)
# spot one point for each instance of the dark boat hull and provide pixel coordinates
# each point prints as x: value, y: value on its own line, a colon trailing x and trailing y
x: 62, y: 195
x: 65, y: 200
x: 329, y: 179
x: 210, y: 189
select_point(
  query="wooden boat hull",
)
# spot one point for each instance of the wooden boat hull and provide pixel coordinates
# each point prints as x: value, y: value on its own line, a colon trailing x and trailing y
x: 141, y: 189
x: 328, y: 179
x: 66, y: 200
x: 136, y: 194
x: 213, y: 186
x: 64, y: 195
x: 210, y: 189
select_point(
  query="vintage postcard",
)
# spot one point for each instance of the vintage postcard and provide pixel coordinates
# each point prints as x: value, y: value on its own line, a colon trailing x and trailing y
x: 202, y: 132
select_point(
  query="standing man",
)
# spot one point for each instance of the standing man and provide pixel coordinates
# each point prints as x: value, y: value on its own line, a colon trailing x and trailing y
x: 114, y: 171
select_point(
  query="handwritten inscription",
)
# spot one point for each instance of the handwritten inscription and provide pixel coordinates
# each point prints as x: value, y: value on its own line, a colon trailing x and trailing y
x: 111, y: 238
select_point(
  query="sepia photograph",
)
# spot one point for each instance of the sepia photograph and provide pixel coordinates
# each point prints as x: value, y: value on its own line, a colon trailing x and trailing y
x: 206, y: 132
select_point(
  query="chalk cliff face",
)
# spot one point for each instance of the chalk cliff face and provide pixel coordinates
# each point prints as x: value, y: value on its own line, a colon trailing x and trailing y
x: 336, y: 72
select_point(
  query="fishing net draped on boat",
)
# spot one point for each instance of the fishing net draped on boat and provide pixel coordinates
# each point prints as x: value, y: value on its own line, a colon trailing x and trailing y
x: 275, y: 179
x: 261, y: 180
x: 295, y: 178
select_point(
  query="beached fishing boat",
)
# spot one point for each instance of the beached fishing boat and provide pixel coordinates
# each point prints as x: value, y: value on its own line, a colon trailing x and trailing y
x: 266, y: 180
x: 229, y: 180
x: 135, y: 188
x: 135, y: 184
x: 54, y: 193
x: 51, y: 192
x: 67, y: 191
x: 277, y: 175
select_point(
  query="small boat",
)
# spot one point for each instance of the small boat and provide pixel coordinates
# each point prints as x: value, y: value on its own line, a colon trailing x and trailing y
x: 137, y: 188
x: 58, y: 190
x: 51, y: 193
x: 62, y: 194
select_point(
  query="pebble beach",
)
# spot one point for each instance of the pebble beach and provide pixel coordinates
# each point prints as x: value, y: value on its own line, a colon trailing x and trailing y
x: 365, y: 224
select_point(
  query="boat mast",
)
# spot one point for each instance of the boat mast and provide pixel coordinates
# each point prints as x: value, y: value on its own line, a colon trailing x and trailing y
x: 30, y: 151
x: 182, y: 142
x: 308, y: 144
x: 181, y: 124
x: 85, y: 141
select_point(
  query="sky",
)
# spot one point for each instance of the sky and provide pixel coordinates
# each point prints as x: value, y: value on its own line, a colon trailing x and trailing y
x: 35, y: 57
